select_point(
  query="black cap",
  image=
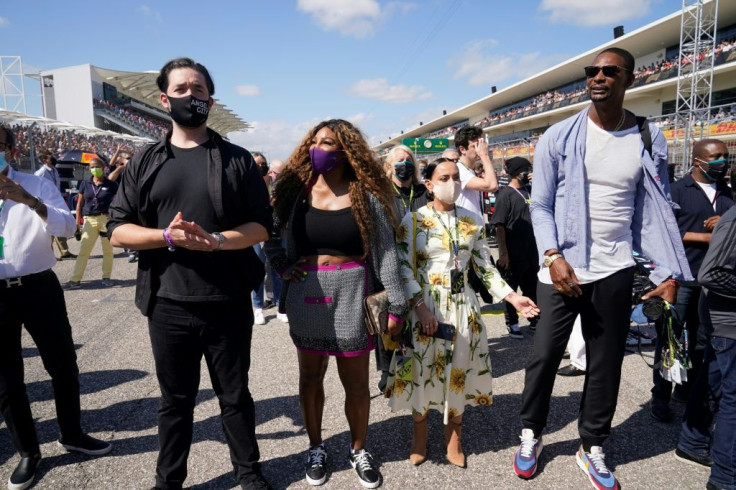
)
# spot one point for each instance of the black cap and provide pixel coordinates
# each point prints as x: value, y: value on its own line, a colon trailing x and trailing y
x: 517, y: 165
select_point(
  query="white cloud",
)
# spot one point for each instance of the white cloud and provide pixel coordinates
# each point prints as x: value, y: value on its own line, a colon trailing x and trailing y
x: 247, y: 90
x: 380, y: 89
x: 149, y: 13
x: 594, y: 13
x: 481, y: 66
x: 359, y: 118
x: 4, y: 22
x: 356, y: 18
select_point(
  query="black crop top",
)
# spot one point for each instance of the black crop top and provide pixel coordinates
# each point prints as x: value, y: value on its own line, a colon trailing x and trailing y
x: 322, y: 232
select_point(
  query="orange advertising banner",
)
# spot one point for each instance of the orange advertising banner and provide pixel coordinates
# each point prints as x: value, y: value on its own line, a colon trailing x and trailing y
x: 715, y: 130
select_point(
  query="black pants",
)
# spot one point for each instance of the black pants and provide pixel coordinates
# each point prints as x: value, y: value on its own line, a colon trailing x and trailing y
x: 181, y: 333
x: 38, y: 305
x: 520, y: 275
x: 604, y: 308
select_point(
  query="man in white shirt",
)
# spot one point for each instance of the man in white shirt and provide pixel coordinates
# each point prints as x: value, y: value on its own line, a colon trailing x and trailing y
x: 48, y: 171
x: 32, y: 210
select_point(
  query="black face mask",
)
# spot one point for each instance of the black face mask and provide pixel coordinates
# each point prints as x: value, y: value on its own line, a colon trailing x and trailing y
x: 264, y: 170
x: 404, y: 170
x: 524, y: 178
x: 189, y: 111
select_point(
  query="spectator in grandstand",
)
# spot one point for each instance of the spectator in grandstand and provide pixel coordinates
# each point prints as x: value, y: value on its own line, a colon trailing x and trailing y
x: 449, y: 372
x: 194, y: 204
x: 333, y: 202
x: 93, y: 204
x: 472, y: 146
x: 32, y: 210
x: 702, y: 198
x: 517, y: 251
x: 594, y: 165
x: 48, y: 171
x: 699, y: 442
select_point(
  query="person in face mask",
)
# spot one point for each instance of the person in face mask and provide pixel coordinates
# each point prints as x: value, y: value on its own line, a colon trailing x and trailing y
x: 333, y: 205
x: 93, y: 203
x: 410, y: 193
x: 703, y: 197
x: 194, y: 205
x: 517, y: 249
x: 442, y: 241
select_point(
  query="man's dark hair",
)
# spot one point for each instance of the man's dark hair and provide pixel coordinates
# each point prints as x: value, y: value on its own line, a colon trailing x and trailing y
x: 259, y: 154
x: 465, y: 135
x: 628, y: 57
x: 9, y: 138
x: 162, y: 80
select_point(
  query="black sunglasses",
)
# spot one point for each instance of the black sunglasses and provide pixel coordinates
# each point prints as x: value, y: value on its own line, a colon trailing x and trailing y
x: 608, y: 70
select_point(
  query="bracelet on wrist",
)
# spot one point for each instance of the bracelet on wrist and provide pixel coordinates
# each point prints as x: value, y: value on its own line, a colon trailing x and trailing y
x: 169, y: 241
x: 419, y: 303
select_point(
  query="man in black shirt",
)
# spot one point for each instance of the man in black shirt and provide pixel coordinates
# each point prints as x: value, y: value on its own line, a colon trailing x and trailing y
x: 194, y: 204
x: 517, y: 249
x: 703, y: 197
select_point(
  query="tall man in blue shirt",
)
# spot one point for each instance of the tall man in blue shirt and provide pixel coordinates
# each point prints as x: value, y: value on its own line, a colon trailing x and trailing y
x: 31, y: 210
x: 598, y: 195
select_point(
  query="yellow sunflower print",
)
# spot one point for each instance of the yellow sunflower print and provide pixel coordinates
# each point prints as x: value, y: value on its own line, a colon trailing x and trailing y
x: 466, y: 226
x: 457, y: 380
x: 483, y: 399
x: 428, y: 223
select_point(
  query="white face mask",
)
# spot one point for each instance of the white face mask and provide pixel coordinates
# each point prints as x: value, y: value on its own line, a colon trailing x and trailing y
x: 447, y: 192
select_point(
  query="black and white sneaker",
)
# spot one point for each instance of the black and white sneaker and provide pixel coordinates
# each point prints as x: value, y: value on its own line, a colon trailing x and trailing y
x: 514, y: 331
x: 316, y: 465
x: 368, y: 474
x: 87, y: 445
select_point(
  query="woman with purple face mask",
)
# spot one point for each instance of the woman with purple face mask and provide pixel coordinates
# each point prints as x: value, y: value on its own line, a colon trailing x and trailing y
x: 442, y: 242
x: 334, y: 206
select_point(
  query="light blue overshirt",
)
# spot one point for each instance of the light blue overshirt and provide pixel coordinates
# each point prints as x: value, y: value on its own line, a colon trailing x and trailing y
x: 559, y: 208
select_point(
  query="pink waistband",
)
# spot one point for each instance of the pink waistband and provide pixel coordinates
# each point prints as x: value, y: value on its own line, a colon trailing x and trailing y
x: 336, y: 267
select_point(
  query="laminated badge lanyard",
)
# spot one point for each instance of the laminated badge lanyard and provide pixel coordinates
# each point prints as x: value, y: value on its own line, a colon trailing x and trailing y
x: 456, y: 242
x: 527, y: 199
x: 401, y: 196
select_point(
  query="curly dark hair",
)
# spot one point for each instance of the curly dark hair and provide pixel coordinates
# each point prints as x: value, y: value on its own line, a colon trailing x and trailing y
x: 364, y: 173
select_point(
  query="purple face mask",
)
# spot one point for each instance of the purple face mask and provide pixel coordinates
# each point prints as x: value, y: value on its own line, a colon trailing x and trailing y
x: 324, y: 162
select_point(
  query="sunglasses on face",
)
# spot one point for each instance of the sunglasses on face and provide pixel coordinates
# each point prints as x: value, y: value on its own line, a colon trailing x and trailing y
x: 609, y: 71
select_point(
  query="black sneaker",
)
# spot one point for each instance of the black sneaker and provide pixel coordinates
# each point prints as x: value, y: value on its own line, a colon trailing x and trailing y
x: 24, y: 473
x: 692, y: 459
x: 254, y: 481
x: 86, y: 445
x: 316, y: 465
x: 660, y: 410
x: 514, y: 331
x: 363, y: 463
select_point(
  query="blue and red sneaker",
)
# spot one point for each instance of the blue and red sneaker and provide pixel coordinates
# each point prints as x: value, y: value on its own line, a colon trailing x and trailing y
x: 593, y: 463
x: 525, y: 459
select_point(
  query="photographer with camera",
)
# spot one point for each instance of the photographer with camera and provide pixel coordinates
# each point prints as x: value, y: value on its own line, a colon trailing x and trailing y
x: 702, y: 197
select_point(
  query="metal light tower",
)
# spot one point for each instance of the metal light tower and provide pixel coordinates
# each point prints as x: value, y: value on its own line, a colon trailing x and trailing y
x: 694, y: 78
x: 11, y: 84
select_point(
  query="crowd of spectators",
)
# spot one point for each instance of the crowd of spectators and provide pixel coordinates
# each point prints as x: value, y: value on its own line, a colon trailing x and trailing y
x: 139, y: 120
x: 59, y: 141
x: 722, y: 114
x: 577, y: 93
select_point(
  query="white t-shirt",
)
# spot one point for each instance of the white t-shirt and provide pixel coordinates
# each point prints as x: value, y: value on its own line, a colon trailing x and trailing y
x: 612, y: 172
x: 469, y: 199
x: 710, y: 192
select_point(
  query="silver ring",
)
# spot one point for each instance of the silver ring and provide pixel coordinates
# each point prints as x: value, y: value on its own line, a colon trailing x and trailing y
x: 571, y: 284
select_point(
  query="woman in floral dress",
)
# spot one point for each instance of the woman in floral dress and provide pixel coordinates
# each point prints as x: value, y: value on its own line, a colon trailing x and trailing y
x: 437, y: 245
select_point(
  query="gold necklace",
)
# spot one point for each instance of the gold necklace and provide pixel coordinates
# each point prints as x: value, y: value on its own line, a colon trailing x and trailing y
x: 620, y: 121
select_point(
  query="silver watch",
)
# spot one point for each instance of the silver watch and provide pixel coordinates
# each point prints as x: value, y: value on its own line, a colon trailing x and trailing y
x: 39, y: 203
x: 220, y: 240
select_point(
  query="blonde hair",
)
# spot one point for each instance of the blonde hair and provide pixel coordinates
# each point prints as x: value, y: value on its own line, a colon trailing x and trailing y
x: 391, y: 158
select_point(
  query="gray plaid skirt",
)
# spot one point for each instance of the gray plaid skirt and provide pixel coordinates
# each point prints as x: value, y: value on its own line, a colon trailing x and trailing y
x: 326, y: 310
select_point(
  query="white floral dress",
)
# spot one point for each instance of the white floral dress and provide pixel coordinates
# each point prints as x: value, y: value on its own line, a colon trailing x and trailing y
x: 444, y: 375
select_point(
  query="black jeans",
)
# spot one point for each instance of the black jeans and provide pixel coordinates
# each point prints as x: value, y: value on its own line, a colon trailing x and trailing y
x: 38, y: 305
x: 181, y: 333
x: 520, y: 275
x: 604, y: 308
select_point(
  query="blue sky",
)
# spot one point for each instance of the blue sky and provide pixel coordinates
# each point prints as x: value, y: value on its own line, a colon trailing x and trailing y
x: 284, y: 65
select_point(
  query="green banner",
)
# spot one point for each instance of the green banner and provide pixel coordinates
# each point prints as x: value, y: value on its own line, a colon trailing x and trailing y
x: 426, y: 145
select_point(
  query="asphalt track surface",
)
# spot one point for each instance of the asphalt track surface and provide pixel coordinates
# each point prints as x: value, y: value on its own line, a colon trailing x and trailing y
x: 120, y: 397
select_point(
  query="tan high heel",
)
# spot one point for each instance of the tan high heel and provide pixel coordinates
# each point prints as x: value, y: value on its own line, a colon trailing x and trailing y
x: 453, y: 440
x: 418, y: 454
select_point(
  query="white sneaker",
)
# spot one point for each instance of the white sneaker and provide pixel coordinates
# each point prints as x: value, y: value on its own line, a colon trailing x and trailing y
x: 258, y: 317
x: 282, y: 317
